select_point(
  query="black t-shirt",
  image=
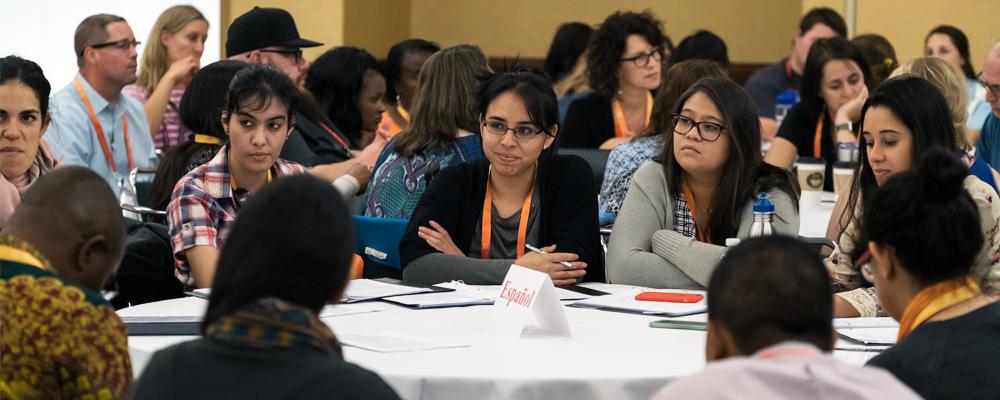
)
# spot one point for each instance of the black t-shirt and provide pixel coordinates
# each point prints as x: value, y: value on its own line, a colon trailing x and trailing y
x: 800, y: 129
x: 953, y: 359
x: 766, y: 83
x: 310, y: 144
x: 588, y: 124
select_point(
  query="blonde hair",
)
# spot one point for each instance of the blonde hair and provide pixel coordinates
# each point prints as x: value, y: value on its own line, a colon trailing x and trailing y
x: 949, y: 80
x: 576, y: 80
x: 154, y: 57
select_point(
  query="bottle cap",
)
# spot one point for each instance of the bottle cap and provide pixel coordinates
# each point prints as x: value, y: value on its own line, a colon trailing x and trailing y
x: 763, y: 204
x: 731, y: 242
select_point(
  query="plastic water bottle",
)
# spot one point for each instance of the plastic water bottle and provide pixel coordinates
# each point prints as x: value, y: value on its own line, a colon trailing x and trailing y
x: 783, y: 103
x: 763, y: 214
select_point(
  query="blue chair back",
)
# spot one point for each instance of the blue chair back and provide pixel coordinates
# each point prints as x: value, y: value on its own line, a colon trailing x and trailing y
x: 377, y: 239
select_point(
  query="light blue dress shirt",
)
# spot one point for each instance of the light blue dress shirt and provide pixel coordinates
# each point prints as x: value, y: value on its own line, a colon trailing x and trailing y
x: 979, y: 109
x: 74, y: 138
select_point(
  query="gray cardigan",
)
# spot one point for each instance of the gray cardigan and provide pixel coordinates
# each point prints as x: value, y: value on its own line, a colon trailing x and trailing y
x: 644, y: 249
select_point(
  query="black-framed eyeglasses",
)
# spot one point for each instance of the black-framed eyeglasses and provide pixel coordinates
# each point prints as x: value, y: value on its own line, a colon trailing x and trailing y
x: 123, y: 44
x: 993, y: 88
x: 707, y: 130
x: 642, y: 59
x: 520, y: 132
x: 295, y: 54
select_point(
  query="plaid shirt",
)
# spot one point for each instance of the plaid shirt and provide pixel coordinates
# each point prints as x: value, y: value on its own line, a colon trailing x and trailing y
x: 202, y: 208
x: 683, y: 221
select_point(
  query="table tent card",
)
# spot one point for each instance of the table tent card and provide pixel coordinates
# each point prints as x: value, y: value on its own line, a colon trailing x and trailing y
x: 528, y: 302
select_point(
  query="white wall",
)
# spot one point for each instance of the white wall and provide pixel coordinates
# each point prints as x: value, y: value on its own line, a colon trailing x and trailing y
x: 42, y: 30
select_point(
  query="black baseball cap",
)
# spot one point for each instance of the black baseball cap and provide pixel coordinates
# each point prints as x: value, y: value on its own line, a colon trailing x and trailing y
x: 264, y: 27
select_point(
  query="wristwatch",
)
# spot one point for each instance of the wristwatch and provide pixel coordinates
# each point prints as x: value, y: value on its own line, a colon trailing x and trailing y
x: 847, y: 126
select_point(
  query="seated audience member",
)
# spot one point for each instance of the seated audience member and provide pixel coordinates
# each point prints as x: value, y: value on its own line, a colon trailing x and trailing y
x: 169, y: 61
x: 443, y: 131
x: 624, y: 60
x: 702, y: 45
x: 269, y: 36
x: 924, y: 236
x: 767, y: 83
x: 625, y: 159
x: 680, y: 209
x: 900, y: 123
x: 948, y: 79
x: 60, y: 338
x: 834, y: 87
x: 770, y: 332
x: 566, y: 63
x: 201, y: 113
x: 988, y: 145
x: 879, y: 55
x: 349, y: 88
x: 475, y: 219
x: 93, y: 125
x: 262, y: 336
x: 24, y: 117
x: 950, y: 44
x: 402, y: 69
x: 258, y: 118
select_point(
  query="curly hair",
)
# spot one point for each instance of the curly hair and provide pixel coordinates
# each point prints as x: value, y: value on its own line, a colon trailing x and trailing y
x: 608, y: 44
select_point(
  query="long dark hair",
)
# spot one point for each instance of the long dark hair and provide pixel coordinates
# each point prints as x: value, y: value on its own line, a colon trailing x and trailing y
x: 335, y: 80
x: 607, y: 46
x: 394, y: 63
x: 928, y: 217
x: 297, y: 263
x: 30, y: 74
x: 922, y: 108
x: 254, y: 88
x: 745, y: 174
x: 675, y: 82
x: 569, y: 43
x: 534, y: 89
x: 200, y: 109
x: 961, y: 43
x: 702, y: 45
x: 823, y: 51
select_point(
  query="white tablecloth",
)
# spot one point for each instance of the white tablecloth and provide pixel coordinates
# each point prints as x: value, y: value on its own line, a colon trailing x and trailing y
x: 610, y: 355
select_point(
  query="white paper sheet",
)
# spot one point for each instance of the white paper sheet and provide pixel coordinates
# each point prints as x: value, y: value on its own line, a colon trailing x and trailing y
x: 386, y: 342
x: 626, y: 301
x: 367, y: 289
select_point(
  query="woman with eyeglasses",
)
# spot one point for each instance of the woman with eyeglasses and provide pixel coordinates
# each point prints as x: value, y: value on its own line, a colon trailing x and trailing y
x: 904, y: 119
x: 681, y: 208
x: 169, y: 61
x: 835, y: 84
x: 476, y: 219
x: 624, y: 62
x: 923, y: 233
x: 443, y: 131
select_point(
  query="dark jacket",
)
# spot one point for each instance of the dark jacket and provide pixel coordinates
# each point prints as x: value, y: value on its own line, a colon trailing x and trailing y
x: 310, y: 145
x: 207, y: 369
x: 568, y: 210
x: 588, y: 123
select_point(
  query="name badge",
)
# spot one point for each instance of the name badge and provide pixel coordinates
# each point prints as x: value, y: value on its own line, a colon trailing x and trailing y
x: 528, y: 305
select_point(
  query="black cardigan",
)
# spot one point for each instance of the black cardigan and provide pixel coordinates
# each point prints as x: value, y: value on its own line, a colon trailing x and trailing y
x: 588, y: 123
x: 568, y: 210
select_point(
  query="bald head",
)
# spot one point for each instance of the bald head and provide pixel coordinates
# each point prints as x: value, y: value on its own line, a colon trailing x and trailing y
x: 71, y: 216
x: 991, y: 76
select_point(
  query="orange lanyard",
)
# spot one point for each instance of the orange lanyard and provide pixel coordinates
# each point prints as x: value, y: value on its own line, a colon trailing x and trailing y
x: 933, y: 299
x: 621, y: 126
x: 403, y: 113
x: 100, y: 130
x: 818, y: 138
x: 703, y: 236
x: 335, y: 135
x: 487, y: 223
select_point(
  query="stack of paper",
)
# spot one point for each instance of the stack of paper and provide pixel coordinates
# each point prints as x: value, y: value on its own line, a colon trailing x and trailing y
x: 367, y: 289
x: 626, y: 302
x: 868, y: 331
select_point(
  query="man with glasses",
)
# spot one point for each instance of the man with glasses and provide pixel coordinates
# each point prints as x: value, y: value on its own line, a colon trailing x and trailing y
x: 93, y: 125
x: 988, y: 146
x: 269, y: 36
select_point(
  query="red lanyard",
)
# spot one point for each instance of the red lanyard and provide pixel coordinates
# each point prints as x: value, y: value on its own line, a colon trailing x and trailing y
x: 487, y: 223
x: 818, y: 138
x: 621, y: 126
x: 335, y: 136
x: 100, y: 130
x: 704, y: 236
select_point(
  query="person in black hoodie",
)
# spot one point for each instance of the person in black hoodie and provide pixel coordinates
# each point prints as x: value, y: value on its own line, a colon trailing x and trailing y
x: 476, y: 219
